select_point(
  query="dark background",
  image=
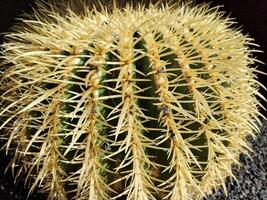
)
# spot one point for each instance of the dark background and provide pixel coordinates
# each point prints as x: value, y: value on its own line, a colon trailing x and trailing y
x: 251, y: 15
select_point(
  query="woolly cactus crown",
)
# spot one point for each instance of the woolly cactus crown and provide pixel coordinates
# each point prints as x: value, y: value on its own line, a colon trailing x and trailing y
x: 137, y: 103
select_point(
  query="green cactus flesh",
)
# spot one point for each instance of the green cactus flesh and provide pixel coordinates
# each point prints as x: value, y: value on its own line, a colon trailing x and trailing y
x: 140, y: 103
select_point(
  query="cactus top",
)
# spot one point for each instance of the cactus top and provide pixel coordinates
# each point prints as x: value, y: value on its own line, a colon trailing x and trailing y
x: 137, y: 103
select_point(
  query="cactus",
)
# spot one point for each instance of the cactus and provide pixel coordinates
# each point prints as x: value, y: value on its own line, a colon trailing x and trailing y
x: 137, y: 103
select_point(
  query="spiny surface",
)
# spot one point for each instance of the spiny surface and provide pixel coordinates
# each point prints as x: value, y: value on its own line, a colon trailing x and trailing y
x: 140, y: 103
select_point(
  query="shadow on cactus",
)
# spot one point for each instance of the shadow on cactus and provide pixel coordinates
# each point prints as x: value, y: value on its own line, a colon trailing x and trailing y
x: 145, y: 102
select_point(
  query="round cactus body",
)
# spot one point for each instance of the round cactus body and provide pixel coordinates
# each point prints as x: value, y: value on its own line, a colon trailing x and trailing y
x: 137, y: 103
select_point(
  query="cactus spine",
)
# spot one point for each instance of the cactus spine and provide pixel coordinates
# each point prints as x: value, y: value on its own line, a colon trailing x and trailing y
x: 141, y: 103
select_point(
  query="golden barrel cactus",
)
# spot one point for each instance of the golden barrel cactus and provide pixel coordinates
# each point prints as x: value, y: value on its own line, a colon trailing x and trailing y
x: 138, y: 103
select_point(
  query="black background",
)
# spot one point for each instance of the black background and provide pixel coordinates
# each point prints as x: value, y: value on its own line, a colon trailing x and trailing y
x: 251, y: 15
